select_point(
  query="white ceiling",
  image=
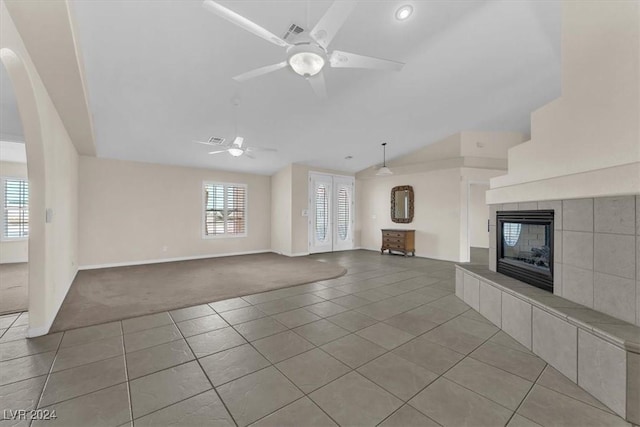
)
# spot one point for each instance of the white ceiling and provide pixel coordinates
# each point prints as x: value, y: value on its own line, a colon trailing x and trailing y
x: 159, y: 76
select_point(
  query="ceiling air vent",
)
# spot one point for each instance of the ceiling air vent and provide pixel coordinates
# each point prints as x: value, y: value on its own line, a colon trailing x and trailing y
x: 293, y: 31
x: 215, y: 140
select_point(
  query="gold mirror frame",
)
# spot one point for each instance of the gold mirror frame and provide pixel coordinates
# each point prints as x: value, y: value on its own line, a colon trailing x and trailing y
x: 409, y: 189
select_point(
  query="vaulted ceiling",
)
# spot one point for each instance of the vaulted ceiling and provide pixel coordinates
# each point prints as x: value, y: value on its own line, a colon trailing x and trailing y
x: 159, y: 75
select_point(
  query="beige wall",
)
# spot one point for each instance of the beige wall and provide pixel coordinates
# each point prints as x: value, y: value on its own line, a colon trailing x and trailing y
x: 53, y: 163
x: 281, y: 211
x: 14, y: 250
x: 587, y: 142
x: 478, y: 216
x: 437, y: 211
x: 134, y: 212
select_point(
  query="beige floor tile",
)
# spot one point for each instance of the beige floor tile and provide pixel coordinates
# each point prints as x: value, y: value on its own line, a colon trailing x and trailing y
x: 429, y: 355
x: 14, y: 333
x: 452, y: 405
x: 454, y: 339
x: 191, y: 313
x: 520, y: 421
x: 326, y: 309
x: 353, y: 400
x: 83, y: 379
x: 22, y: 394
x: 306, y: 299
x: 301, y: 413
x: 371, y: 295
x: 385, y: 336
x: 278, y: 306
x: 242, y: 315
x: 546, y: 407
x: 353, y: 350
x: 151, y: 337
x: 450, y: 303
x: 554, y: 380
x: 352, y: 320
x: 204, y: 409
x: 91, y: 333
x: 70, y: 357
x: 253, y: 396
x: 399, y: 376
x: 351, y: 301
x: 25, y: 367
x: 157, y: 358
x: 502, y: 387
x: 260, y: 328
x: 146, y: 322
x: 313, y: 369
x: 282, y: 346
x: 413, y: 323
x: 513, y: 361
x: 329, y: 293
x: 432, y: 314
x: 201, y: 325
x: 295, y: 318
x: 107, y: 407
x: 29, y: 346
x: 215, y: 341
x: 504, y: 339
x: 231, y: 364
x: 7, y: 320
x: 407, y: 416
x: 164, y: 388
x: 229, y: 304
x: 321, y: 332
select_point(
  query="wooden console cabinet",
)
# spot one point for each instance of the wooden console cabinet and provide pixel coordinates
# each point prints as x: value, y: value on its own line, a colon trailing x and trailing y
x: 398, y: 241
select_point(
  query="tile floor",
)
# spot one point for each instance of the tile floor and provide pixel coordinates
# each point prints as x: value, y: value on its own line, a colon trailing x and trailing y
x: 387, y: 344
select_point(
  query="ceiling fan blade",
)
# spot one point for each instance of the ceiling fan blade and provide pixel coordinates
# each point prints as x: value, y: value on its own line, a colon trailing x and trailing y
x: 331, y: 22
x: 341, y: 59
x: 254, y: 149
x: 217, y: 152
x: 318, y: 85
x: 238, y: 141
x: 248, y: 155
x: 260, y: 71
x: 243, y: 22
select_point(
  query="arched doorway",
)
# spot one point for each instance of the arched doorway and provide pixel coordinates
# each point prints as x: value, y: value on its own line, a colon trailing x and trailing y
x: 34, y: 147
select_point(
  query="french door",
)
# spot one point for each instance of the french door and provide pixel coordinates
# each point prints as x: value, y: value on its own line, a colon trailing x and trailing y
x: 331, y: 213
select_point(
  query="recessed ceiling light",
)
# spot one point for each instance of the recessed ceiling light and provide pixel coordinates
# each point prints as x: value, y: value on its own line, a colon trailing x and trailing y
x: 404, y: 12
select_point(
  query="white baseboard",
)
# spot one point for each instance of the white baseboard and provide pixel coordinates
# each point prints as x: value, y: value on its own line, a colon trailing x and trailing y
x: 290, y: 254
x: 159, y: 261
x: 44, y: 330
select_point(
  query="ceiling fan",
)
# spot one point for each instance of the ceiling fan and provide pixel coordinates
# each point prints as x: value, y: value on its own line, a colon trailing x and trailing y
x: 235, y: 149
x: 308, y: 55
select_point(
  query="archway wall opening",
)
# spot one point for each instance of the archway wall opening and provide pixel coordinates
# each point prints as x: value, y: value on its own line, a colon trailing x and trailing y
x: 53, y: 179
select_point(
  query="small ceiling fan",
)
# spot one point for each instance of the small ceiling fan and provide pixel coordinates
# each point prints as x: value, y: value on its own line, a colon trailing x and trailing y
x: 235, y: 149
x: 308, y: 55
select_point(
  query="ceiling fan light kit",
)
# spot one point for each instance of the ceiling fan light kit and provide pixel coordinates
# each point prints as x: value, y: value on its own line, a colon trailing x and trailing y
x: 308, y: 56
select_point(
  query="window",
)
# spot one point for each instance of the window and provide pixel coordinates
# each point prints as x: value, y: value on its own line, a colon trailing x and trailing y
x: 225, y: 210
x: 322, y: 212
x: 15, y: 213
x: 344, y: 206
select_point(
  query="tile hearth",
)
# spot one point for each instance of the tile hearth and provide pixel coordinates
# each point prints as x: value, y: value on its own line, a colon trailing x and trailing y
x: 387, y: 344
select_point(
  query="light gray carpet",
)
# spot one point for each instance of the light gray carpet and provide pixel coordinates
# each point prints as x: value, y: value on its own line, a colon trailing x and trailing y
x: 14, y: 289
x: 104, y: 295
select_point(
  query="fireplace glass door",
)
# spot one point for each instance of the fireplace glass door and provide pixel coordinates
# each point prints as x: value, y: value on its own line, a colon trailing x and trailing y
x: 525, y: 246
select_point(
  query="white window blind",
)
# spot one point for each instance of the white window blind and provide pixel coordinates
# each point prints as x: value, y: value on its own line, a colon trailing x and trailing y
x: 15, y: 202
x: 225, y: 209
x: 322, y: 213
x: 511, y: 233
x: 344, y: 207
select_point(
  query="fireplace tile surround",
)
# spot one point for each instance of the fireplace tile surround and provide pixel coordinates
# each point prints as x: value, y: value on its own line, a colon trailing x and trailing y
x: 596, y: 251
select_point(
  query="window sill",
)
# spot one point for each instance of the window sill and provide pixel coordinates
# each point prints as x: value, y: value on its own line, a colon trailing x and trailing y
x: 224, y: 236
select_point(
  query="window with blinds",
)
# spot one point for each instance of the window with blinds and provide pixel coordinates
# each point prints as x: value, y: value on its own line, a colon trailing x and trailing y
x: 322, y: 213
x: 225, y: 209
x: 344, y: 208
x: 15, y: 214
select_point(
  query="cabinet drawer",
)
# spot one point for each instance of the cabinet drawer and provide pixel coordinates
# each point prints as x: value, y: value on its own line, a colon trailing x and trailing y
x: 393, y: 240
x: 393, y: 234
x: 394, y: 246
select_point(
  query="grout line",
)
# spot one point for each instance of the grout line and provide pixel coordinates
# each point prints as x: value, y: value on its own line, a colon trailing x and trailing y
x: 197, y: 360
x: 126, y: 374
x: 46, y: 382
x: 528, y: 392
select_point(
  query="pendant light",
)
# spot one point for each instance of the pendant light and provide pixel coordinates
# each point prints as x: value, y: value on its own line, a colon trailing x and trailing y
x: 384, y: 170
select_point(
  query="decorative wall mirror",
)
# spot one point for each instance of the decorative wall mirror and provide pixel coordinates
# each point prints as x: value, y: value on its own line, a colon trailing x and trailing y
x: 402, y: 204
